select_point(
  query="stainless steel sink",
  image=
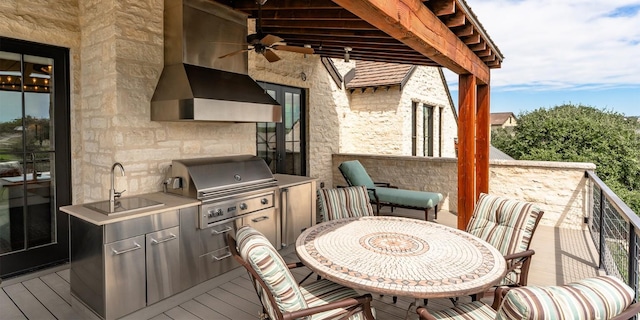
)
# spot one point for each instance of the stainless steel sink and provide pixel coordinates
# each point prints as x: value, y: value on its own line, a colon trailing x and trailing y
x: 124, y: 205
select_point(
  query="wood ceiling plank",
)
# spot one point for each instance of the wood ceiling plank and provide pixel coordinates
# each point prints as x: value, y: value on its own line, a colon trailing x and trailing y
x: 411, y: 22
x: 319, y: 24
x: 317, y: 14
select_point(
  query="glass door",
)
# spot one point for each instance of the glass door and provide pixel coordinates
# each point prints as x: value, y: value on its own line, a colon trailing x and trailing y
x: 283, y: 145
x: 34, y: 156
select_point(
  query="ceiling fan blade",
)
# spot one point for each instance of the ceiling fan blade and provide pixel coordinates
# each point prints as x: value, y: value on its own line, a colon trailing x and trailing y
x: 232, y: 53
x: 270, y: 55
x: 294, y: 49
x: 270, y: 39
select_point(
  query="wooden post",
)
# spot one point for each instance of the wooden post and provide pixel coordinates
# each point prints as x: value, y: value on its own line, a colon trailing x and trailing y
x: 466, y: 148
x: 483, y: 141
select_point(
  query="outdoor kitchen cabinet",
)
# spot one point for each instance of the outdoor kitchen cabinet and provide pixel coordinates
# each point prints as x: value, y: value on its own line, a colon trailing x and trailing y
x: 121, y: 267
x: 297, y: 206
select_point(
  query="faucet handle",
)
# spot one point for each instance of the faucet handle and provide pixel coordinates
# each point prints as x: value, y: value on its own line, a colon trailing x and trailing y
x: 118, y: 194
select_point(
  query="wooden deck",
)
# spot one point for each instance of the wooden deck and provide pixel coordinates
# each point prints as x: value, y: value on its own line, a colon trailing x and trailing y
x: 561, y: 256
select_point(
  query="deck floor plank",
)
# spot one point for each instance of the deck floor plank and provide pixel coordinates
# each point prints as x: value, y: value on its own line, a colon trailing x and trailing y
x: 50, y: 299
x: 161, y: 316
x: 9, y: 310
x: 202, y: 311
x: 179, y: 313
x: 224, y: 307
x: 59, y: 285
x: 65, y: 274
x: 27, y: 302
x: 249, y: 304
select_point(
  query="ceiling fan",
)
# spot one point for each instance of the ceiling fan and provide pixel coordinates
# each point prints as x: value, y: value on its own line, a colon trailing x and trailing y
x: 266, y: 44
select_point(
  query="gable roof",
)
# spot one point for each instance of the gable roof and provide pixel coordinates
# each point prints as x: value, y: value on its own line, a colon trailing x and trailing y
x: 499, y: 118
x: 379, y: 74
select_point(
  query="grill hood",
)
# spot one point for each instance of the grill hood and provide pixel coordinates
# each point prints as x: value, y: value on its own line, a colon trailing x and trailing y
x: 197, y: 86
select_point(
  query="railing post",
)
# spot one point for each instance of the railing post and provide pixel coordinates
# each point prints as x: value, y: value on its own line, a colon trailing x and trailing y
x: 601, y: 248
x: 633, y: 259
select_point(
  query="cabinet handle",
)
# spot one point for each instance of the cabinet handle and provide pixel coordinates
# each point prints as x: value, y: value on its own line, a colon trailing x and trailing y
x: 222, y: 257
x: 260, y: 219
x: 169, y: 238
x: 136, y: 246
x: 284, y: 213
x: 225, y: 230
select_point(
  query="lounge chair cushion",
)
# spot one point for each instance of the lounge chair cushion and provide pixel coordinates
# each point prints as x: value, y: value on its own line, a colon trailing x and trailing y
x: 344, y: 203
x: 507, y: 224
x: 409, y: 198
x: 267, y: 262
x: 357, y: 175
x: 601, y: 297
x: 325, y: 291
x: 475, y: 310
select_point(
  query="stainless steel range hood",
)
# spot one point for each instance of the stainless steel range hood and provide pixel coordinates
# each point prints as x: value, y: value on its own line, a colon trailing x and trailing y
x: 197, y: 86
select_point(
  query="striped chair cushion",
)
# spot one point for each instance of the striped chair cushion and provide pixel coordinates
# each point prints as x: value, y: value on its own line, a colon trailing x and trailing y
x: 267, y: 262
x: 506, y: 224
x: 323, y: 292
x: 475, y: 310
x: 344, y: 203
x: 601, y: 297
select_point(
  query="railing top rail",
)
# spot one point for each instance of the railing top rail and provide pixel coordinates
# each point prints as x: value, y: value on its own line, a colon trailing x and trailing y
x: 616, y: 202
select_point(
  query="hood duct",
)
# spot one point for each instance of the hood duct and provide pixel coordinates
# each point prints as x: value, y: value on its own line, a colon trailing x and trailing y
x: 197, y: 86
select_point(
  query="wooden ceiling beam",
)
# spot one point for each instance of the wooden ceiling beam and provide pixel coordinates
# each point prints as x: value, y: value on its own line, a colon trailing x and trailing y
x: 478, y: 47
x: 464, y: 31
x: 441, y: 7
x: 414, y: 24
x: 318, y: 38
x: 374, y: 34
x: 474, y: 39
x: 455, y: 20
x: 306, y: 15
x: 380, y: 59
x: 371, y: 52
x: 319, y: 24
x: 250, y: 5
x: 484, y: 53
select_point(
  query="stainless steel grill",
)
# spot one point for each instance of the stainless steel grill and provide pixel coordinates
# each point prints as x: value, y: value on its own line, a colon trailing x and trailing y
x: 228, y: 186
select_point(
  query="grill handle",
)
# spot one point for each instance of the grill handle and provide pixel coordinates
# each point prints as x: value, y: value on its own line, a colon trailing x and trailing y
x: 284, y: 212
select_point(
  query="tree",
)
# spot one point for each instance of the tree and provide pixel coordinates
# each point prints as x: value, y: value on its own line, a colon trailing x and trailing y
x: 577, y: 133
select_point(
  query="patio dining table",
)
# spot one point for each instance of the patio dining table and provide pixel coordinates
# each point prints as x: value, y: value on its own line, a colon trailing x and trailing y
x: 400, y: 256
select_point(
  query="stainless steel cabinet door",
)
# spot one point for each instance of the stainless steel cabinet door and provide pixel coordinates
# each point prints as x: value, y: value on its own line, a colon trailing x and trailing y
x: 163, y: 264
x: 297, y: 214
x: 265, y: 222
x: 124, y: 277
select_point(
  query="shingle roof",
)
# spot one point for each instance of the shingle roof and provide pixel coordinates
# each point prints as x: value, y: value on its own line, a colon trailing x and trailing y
x: 376, y: 74
x: 500, y: 118
x: 497, y: 154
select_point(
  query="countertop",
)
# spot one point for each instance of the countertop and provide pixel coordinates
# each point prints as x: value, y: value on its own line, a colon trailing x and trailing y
x: 286, y: 180
x: 171, y: 202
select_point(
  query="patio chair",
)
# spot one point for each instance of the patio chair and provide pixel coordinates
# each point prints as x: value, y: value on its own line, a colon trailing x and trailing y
x: 384, y: 194
x: 603, y: 297
x: 281, y: 296
x: 346, y: 202
x: 508, y: 225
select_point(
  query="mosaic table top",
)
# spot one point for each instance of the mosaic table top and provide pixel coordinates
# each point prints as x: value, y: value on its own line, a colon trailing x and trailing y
x: 400, y: 256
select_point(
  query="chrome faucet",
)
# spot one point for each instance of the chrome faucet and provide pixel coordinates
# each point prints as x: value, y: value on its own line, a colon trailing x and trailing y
x: 113, y: 194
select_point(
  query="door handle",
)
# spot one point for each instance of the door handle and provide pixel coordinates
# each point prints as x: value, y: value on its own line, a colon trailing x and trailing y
x: 136, y: 246
x: 169, y: 238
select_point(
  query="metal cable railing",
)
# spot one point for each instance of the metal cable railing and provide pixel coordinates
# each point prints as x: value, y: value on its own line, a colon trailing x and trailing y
x: 615, y: 230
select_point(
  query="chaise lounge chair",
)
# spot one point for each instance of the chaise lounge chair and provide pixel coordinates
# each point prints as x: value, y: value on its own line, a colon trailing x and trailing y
x: 384, y: 194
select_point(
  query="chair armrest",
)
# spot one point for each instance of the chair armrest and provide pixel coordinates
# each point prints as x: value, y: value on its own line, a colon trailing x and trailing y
x: 517, y: 259
x: 498, y: 296
x: 351, y: 304
x: 381, y: 184
x: 424, y: 314
x: 629, y: 312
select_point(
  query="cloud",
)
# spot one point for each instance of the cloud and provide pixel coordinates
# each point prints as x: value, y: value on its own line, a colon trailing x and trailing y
x: 563, y: 44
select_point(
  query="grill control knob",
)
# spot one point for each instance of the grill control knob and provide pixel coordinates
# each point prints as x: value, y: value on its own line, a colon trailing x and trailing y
x: 210, y: 215
x: 218, y: 212
x: 243, y: 206
x: 264, y: 201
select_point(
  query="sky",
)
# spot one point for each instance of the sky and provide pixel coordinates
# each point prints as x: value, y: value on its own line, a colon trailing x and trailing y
x: 562, y: 51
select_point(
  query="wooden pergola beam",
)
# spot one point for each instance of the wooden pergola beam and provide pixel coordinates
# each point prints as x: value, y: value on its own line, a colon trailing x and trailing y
x: 412, y: 23
x: 466, y: 149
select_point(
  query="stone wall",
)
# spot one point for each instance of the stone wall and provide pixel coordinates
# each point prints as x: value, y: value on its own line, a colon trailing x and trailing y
x: 117, y: 57
x: 559, y: 188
